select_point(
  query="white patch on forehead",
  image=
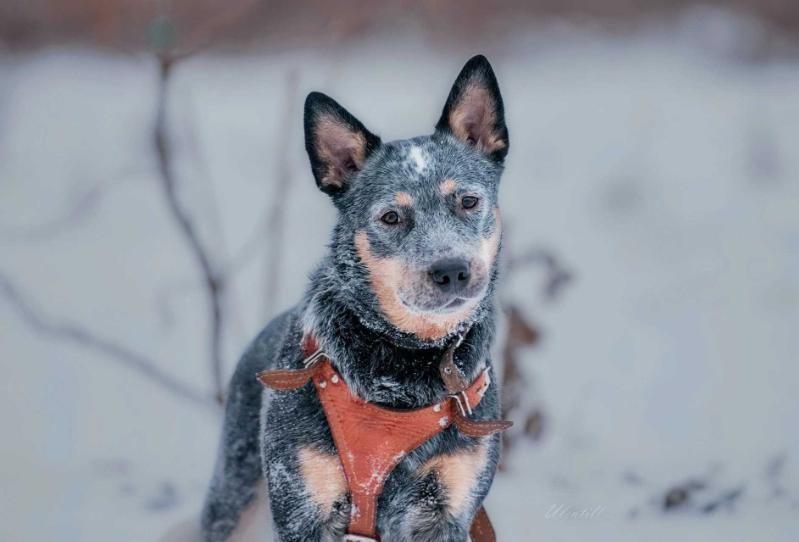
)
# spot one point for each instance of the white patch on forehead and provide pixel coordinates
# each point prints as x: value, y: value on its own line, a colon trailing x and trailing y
x: 417, y: 156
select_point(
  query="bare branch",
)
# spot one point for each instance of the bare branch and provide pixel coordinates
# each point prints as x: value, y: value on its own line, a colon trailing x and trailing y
x: 214, y: 284
x: 73, y: 333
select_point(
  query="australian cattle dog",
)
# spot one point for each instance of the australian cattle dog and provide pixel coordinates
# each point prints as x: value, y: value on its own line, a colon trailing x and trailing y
x: 400, y: 305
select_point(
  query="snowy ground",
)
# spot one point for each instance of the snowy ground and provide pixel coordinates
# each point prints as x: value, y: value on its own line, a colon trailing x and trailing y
x: 660, y: 168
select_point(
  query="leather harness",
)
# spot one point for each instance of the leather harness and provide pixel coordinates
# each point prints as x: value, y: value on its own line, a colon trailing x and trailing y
x: 372, y: 440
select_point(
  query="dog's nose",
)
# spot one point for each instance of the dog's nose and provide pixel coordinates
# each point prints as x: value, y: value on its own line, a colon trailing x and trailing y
x: 450, y: 275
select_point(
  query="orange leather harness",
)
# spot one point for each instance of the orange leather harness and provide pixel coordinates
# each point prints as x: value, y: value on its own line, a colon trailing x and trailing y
x: 372, y: 440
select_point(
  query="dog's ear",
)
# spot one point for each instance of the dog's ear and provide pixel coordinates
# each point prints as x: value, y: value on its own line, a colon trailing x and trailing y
x: 474, y: 111
x: 337, y: 143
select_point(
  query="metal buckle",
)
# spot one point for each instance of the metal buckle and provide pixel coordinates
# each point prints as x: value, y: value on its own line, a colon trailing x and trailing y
x: 487, y: 383
x: 311, y: 360
x: 468, y: 407
x: 357, y: 538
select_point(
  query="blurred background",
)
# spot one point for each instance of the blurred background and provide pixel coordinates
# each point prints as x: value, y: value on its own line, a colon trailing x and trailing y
x: 157, y: 209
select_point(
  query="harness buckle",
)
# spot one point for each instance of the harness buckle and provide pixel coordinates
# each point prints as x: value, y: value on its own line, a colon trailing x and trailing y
x: 463, y: 403
x: 313, y: 359
x: 357, y: 538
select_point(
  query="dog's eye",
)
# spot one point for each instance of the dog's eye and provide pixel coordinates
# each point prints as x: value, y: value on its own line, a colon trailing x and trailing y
x: 469, y: 202
x: 391, y: 218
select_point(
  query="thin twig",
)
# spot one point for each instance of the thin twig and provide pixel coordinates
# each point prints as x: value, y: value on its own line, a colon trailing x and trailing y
x: 73, y: 333
x: 213, y: 282
x: 200, y: 37
x: 84, y: 202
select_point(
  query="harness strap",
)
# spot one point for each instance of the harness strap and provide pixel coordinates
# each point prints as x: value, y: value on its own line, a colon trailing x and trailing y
x: 478, y: 428
x: 286, y: 379
x: 481, y: 529
x: 371, y: 440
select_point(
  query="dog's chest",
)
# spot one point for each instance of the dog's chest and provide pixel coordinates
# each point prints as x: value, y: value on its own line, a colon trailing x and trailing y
x: 446, y: 469
x: 383, y: 457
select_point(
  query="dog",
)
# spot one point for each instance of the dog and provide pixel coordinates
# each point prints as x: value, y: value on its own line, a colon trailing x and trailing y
x: 409, y: 279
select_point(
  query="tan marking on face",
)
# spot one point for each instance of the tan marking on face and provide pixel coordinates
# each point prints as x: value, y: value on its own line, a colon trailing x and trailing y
x: 448, y: 186
x: 403, y: 199
x: 386, y: 276
x: 458, y: 474
x: 323, y: 476
x: 334, y: 141
x: 489, y: 247
x: 254, y: 521
x: 474, y: 117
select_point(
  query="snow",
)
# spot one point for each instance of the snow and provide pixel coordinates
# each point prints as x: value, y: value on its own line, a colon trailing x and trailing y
x: 661, y: 171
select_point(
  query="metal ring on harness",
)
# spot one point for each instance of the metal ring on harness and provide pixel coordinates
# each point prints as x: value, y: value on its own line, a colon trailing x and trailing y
x: 311, y: 360
x: 357, y: 538
x: 465, y: 401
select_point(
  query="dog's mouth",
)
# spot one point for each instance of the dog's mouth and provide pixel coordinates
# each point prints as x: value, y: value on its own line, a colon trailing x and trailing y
x: 445, y: 306
x: 455, y: 303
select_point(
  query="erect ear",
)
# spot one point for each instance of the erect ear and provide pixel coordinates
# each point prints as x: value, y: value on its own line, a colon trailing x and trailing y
x: 337, y: 143
x: 474, y: 112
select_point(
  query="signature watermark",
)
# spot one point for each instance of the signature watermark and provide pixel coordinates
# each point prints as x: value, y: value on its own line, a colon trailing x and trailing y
x: 564, y: 511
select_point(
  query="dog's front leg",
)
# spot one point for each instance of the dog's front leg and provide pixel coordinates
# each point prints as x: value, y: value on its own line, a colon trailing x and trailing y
x: 308, y: 495
x: 443, y: 495
x: 421, y: 513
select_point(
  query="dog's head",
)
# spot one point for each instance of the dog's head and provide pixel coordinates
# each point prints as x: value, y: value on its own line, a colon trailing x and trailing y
x: 419, y: 228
